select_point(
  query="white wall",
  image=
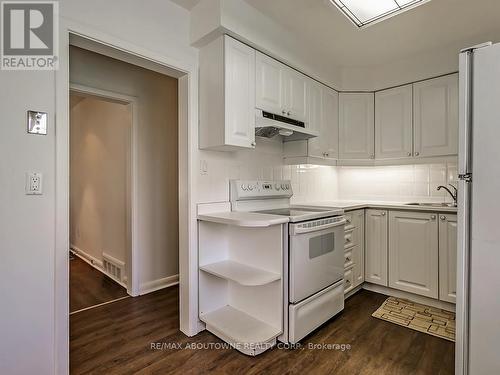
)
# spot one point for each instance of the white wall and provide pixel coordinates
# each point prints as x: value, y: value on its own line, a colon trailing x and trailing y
x: 27, y: 223
x: 157, y: 169
x: 99, y: 167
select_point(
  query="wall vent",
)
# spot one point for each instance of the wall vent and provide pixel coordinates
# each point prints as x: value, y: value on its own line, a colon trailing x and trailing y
x: 113, y: 267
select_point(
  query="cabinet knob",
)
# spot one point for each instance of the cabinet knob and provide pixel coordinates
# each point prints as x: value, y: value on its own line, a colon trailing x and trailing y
x: 253, y: 144
x: 289, y: 113
x: 417, y: 153
x: 433, y: 217
x: 383, y: 213
x: 348, y: 259
x: 372, y: 156
x: 283, y: 112
x: 443, y: 218
x: 409, y: 154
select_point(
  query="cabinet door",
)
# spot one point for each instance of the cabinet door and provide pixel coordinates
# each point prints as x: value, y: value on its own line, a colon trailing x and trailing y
x: 323, y: 117
x: 413, y: 252
x: 296, y: 95
x: 330, y: 123
x: 376, y: 247
x: 270, y: 93
x: 448, y: 258
x: 240, y: 93
x: 393, y: 123
x: 435, y: 111
x: 356, y: 126
x: 358, y: 220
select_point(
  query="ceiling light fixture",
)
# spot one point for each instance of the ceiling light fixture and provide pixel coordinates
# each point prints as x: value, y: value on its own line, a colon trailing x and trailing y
x: 366, y: 12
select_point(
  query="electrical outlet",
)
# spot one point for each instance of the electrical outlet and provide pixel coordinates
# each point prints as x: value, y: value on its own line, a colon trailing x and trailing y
x: 33, y: 183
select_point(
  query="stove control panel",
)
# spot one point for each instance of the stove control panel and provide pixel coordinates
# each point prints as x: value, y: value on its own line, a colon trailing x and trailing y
x: 255, y: 189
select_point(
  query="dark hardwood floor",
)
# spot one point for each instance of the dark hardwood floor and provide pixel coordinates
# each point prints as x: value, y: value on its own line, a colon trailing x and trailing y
x: 89, y: 287
x: 117, y: 338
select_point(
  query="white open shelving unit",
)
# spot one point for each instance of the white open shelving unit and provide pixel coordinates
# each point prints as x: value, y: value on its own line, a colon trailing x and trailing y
x: 241, y: 283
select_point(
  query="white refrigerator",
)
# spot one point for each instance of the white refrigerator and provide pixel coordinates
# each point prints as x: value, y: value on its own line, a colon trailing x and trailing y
x: 478, y: 273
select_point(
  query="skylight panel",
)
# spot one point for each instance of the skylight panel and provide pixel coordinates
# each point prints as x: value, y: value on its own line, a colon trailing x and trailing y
x: 365, y: 12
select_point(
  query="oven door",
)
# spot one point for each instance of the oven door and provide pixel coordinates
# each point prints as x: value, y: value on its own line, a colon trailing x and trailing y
x: 316, y: 258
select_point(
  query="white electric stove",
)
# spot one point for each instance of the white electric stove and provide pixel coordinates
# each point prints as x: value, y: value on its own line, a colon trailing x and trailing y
x: 314, y: 262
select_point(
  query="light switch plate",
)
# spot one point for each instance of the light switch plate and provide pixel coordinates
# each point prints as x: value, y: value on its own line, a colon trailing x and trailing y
x: 37, y: 122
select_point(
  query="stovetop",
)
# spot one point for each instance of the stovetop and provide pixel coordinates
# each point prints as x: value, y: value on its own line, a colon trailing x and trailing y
x: 303, y: 213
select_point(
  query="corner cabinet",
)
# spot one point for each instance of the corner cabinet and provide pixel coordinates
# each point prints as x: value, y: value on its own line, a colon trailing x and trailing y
x: 435, y: 116
x: 227, y: 95
x: 279, y: 89
x: 376, y: 246
x: 393, y: 123
x: 448, y: 257
x: 413, y: 252
x: 356, y: 126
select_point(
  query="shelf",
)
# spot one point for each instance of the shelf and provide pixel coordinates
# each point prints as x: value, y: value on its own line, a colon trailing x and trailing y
x: 236, y: 327
x: 241, y: 273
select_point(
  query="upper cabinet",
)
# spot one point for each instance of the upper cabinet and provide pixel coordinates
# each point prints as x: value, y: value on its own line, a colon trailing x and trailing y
x: 324, y: 117
x: 269, y: 85
x: 227, y: 95
x: 435, y: 116
x: 393, y: 123
x: 279, y: 89
x: 356, y: 126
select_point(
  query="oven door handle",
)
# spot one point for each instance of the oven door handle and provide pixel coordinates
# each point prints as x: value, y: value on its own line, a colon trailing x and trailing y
x: 296, y: 229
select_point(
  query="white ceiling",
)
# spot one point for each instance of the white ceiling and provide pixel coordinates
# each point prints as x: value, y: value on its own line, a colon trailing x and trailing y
x: 433, y: 25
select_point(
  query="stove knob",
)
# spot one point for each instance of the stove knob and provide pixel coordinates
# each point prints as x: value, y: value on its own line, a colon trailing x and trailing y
x: 243, y: 187
x: 287, y: 186
x: 282, y: 186
x: 250, y: 187
x: 277, y: 186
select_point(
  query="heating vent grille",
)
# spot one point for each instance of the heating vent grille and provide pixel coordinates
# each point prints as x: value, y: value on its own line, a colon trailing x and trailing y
x: 113, y: 267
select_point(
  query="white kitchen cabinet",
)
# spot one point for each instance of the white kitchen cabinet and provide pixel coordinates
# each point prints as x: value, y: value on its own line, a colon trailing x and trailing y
x: 270, y: 84
x: 413, y: 252
x: 435, y: 116
x: 227, y: 95
x: 448, y: 257
x: 280, y: 89
x: 296, y: 95
x: 322, y: 117
x: 356, y: 126
x: 358, y: 252
x: 376, y: 246
x: 393, y: 123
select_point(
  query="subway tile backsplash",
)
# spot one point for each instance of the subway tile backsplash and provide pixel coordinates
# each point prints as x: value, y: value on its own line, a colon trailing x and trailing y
x: 323, y: 183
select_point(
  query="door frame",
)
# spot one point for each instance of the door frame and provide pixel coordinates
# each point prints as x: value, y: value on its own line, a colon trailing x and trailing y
x: 132, y: 254
x: 176, y: 64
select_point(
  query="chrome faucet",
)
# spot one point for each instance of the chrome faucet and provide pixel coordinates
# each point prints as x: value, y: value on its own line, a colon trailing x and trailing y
x: 453, y: 195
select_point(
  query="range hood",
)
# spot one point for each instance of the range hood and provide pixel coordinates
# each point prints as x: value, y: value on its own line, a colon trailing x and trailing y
x: 269, y: 125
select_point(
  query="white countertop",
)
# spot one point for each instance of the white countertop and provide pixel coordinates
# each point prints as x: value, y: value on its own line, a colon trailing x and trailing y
x: 244, y: 219
x: 357, y: 204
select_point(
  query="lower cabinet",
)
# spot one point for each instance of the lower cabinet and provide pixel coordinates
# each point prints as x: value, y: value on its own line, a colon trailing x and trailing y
x: 414, y: 252
x: 376, y: 247
x: 354, y: 250
x: 448, y: 257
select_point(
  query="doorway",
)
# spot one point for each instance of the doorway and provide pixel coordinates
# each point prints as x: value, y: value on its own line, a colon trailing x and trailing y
x: 101, y: 171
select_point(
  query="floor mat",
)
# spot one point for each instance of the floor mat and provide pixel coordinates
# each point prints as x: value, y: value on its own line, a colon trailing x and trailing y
x: 422, y: 318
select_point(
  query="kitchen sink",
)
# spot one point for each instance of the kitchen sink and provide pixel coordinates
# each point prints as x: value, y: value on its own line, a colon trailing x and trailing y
x: 431, y: 204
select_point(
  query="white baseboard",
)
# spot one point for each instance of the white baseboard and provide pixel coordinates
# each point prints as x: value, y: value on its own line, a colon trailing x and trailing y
x: 410, y: 296
x: 94, y: 262
x: 152, y: 286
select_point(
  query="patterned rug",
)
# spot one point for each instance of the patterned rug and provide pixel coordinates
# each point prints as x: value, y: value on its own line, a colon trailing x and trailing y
x: 422, y: 318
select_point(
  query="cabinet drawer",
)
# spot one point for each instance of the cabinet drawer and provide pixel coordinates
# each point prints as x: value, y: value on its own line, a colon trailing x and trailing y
x: 348, y: 281
x: 351, y: 238
x: 348, y: 259
x: 348, y: 221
